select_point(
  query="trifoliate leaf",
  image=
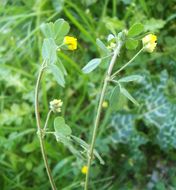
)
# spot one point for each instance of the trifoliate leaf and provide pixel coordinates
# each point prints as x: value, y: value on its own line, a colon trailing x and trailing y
x: 55, y: 30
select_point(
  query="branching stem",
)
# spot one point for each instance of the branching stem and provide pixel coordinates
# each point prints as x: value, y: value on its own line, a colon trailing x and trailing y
x: 47, y: 119
x: 97, y: 119
x: 124, y: 66
x: 39, y: 129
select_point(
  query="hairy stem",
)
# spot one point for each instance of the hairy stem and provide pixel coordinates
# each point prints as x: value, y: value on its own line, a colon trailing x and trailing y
x: 97, y: 118
x: 39, y: 129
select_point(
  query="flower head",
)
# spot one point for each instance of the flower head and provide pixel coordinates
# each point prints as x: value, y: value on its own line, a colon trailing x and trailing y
x: 71, y: 42
x: 149, y: 42
x: 84, y: 169
x: 56, y: 105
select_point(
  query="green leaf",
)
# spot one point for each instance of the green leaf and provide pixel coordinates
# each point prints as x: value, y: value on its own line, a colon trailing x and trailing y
x: 135, y: 29
x: 91, y: 65
x: 55, y: 30
x: 30, y: 147
x: 67, y: 141
x: 61, y: 28
x: 61, y: 66
x: 114, y: 97
x: 131, y: 44
x: 49, y: 50
x: 128, y: 95
x: 48, y: 30
x: 160, y: 186
x: 131, y: 78
x: 153, y: 25
x: 61, y: 127
x: 103, y: 49
x: 110, y: 37
x: 58, y: 74
x: 85, y: 146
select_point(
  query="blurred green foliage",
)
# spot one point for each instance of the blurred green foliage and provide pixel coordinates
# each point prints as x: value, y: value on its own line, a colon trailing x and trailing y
x: 137, y: 144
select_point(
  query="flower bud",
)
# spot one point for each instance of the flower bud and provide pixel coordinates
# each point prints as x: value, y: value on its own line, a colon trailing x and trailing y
x: 149, y: 42
x: 56, y: 105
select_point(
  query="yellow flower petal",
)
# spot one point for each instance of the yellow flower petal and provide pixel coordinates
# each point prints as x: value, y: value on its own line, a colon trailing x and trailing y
x: 71, y: 42
x: 153, y: 38
x: 84, y: 169
x: 150, y: 38
x: 149, y: 42
x: 150, y: 47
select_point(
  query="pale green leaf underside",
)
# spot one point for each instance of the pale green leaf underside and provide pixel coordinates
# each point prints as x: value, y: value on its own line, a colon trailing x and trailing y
x: 49, y: 50
x: 128, y: 95
x: 91, y: 65
x: 60, y: 126
x: 58, y: 74
x: 55, y: 30
x: 131, y: 78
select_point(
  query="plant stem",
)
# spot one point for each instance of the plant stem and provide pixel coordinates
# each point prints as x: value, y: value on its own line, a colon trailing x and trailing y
x: 47, y: 119
x: 97, y: 119
x: 39, y: 129
x: 118, y: 71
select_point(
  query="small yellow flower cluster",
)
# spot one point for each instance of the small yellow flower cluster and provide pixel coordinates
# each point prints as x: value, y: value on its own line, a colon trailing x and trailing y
x: 56, y: 105
x: 84, y: 169
x: 149, y: 42
x: 71, y: 42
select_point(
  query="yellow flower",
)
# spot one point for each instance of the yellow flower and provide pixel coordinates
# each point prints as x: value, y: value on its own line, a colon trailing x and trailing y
x: 84, y: 169
x: 105, y: 104
x: 149, y: 42
x: 56, y: 105
x: 71, y: 42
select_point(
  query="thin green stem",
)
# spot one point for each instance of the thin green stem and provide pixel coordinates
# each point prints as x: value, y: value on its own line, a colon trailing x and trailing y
x: 114, y: 8
x: 107, y: 56
x: 97, y: 119
x: 47, y: 119
x: 39, y: 132
x: 114, y: 81
x: 118, y: 71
